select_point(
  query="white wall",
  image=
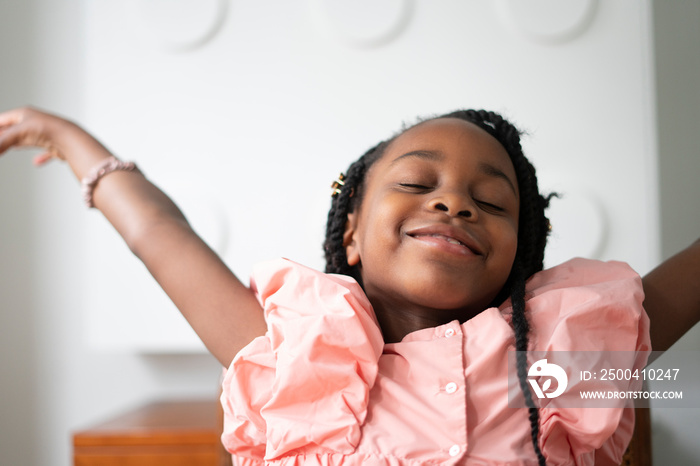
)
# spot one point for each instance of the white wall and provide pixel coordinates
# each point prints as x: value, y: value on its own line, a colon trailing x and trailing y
x: 52, y: 382
x: 18, y: 337
x: 677, y: 44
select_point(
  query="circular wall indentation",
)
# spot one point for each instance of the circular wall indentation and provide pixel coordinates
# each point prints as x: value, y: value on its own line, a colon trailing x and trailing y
x: 548, y: 21
x: 362, y: 23
x: 579, y: 227
x: 180, y: 25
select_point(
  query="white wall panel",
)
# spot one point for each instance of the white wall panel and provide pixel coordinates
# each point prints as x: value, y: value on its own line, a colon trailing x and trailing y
x: 245, y: 111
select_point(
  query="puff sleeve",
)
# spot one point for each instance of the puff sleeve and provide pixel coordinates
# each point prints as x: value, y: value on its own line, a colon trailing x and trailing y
x: 305, y: 384
x: 595, y: 308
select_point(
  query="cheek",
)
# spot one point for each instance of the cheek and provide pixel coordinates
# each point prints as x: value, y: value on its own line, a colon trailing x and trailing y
x: 367, y: 238
x: 383, y: 224
x: 508, y: 245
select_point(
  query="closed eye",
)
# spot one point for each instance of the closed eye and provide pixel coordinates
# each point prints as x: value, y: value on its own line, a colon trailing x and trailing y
x: 489, y: 206
x: 415, y: 186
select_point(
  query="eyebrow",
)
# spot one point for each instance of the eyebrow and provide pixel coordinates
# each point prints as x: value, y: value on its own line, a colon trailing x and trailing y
x: 485, y: 168
x: 421, y: 154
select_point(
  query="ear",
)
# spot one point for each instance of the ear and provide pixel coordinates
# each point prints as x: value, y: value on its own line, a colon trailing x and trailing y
x: 351, y: 240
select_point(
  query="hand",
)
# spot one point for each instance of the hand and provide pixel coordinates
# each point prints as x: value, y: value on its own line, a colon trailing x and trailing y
x: 28, y: 127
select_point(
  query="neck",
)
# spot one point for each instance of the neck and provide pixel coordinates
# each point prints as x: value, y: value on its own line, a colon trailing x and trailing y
x: 397, y: 322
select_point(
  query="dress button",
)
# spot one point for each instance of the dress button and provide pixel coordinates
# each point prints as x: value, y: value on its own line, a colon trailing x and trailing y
x: 451, y: 388
x: 454, y: 450
x: 449, y: 332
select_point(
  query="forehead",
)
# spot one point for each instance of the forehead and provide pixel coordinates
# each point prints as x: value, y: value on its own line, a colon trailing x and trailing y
x: 457, y: 139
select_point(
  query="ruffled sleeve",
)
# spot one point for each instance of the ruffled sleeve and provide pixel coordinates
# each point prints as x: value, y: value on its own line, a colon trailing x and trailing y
x: 304, y: 386
x: 594, y: 307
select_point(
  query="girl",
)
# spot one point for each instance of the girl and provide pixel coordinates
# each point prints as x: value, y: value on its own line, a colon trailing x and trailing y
x: 440, y: 228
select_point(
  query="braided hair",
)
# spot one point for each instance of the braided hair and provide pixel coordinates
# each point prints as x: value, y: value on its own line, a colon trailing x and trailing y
x: 532, y: 234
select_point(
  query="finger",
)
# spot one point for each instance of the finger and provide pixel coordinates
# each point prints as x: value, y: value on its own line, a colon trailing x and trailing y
x: 11, y: 118
x: 42, y: 159
x: 9, y: 138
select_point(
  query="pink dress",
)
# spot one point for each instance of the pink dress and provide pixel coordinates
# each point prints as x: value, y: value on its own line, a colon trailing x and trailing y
x: 322, y: 388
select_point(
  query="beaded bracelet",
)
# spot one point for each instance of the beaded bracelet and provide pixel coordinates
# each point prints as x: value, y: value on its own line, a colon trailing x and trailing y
x: 105, y: 167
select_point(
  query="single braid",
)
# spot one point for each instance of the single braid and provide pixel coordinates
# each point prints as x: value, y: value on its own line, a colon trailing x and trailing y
x: 344, y: 203
x: 522, y: 328
x: 533, y: 229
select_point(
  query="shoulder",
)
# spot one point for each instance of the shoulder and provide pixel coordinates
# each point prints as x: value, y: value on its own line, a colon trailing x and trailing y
x: 299, y: 299
x: 306, y: 382
x: 580, y: 273
x: 588, y: 311
x: 587, y: 303
x: 283, y: 280
x: 277, y: 272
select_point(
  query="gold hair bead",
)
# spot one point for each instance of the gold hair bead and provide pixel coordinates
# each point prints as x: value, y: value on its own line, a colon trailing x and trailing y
x: 337, y: 185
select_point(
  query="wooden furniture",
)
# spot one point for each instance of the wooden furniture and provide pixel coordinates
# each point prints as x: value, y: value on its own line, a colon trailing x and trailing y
x: 172, y: 433
x: 187, y: 433
x: 639, y: 451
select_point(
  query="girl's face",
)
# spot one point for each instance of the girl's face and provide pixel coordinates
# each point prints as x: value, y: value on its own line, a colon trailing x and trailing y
x: 436, y: 232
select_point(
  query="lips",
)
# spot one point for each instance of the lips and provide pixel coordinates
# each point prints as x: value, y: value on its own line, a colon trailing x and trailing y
x: 447, y: 234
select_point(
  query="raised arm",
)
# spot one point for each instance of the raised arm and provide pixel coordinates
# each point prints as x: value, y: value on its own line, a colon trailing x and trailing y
x: 221, y: 310
x: 673, y: 297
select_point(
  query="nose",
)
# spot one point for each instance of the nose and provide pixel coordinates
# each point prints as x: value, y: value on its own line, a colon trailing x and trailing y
x: 454, y: 205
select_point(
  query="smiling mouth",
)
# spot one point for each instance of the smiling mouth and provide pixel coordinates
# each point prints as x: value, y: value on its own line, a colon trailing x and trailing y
x: 449, y: 242
x: 448, y: 239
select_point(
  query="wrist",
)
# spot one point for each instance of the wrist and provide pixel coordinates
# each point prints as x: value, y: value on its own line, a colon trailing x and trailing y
x: 102, y: 169
x: 77, y: 147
